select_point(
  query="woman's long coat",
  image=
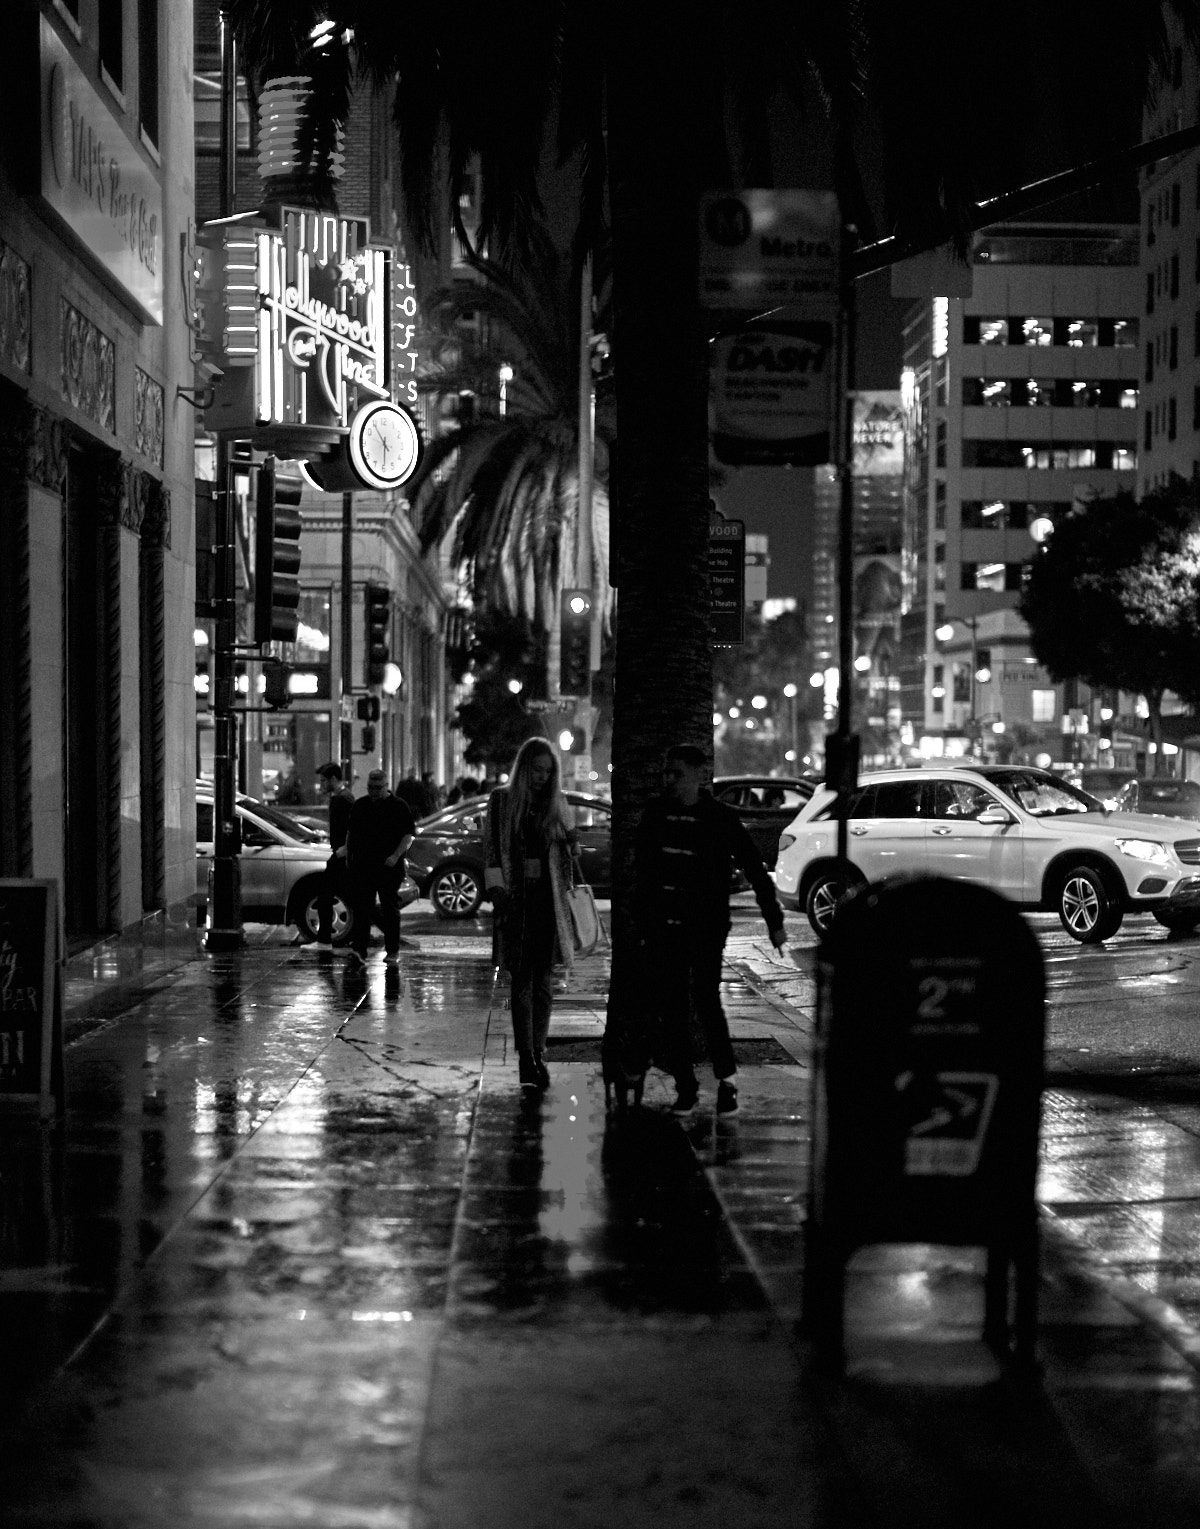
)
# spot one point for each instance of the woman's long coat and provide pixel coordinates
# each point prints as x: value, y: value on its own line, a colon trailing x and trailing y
x: 503, y: 870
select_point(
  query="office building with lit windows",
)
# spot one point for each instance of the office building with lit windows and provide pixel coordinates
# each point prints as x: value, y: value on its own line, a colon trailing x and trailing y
x: 1020, y: 400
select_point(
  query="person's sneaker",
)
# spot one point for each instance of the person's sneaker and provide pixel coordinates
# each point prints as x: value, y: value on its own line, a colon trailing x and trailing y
x: 685, y: 1100
x: 727, y: 1099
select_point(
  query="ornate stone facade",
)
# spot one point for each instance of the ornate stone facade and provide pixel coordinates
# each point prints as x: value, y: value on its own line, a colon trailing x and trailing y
x: 14, y: 309
x: 88, y: 367
x: 148, y: 416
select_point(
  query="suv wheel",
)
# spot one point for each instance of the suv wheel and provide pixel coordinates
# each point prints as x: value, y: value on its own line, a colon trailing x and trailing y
x: 1087, y: 911
x: 307, y: 918
x: 456, y: 892
x: 824, y: 893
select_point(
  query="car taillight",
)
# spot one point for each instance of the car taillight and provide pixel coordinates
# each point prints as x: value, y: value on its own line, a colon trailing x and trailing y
x: 785, y: 841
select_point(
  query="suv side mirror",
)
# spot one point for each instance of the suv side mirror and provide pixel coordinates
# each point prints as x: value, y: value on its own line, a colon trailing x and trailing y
x: 995, y: 817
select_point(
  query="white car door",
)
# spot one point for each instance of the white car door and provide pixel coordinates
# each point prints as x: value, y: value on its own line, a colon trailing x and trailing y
x: 886, y: 831
x: 964, y: 849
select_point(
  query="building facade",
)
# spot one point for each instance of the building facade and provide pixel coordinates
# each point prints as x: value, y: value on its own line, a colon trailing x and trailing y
x: 400, y: 726
x: 96, y: 506
x: 1020, y: 401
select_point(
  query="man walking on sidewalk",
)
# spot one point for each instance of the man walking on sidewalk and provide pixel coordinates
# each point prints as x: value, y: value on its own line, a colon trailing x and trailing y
x: 381, y: 830
x: 333, y: 880
x: 685, y: 844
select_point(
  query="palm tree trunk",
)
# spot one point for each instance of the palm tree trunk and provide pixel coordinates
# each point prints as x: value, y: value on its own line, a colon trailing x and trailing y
x: 663, y: 672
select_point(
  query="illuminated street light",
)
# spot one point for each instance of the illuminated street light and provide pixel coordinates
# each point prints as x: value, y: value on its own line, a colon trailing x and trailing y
x: 577, y: 604
x: 717, y: 719
x: 734, y: 713
x: 790, y: 691
x: 515, y: 687
x: 817, y: 680
x: 862, y: 663
x: 759, y: 702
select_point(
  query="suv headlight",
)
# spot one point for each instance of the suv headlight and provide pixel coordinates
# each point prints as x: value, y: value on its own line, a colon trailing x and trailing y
x: 1143, y: 849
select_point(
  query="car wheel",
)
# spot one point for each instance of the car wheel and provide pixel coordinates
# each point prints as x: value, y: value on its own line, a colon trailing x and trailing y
x: 307, y: 917
x: 1179, y: 923
x: 456, y: 892
x: 1088, y: 913
x: 823, y: 896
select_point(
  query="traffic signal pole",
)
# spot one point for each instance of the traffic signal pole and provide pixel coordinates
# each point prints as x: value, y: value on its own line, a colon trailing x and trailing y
x: 225, y: 893
x: 346, y: 726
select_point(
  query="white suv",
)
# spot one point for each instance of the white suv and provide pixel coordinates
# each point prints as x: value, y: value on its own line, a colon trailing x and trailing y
x: 1023, y: 832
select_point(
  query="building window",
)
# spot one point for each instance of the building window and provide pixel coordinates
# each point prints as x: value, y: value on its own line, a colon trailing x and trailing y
x: 1150, y: 224
x: 1171, y: 418
x: 1195, y: 409
x: 1174, y: 275
x: 148, y: 68
x: 206, y: 105
x: 1175, y: 205
x: 1149, y: 417
x: 1037, y: 331
x: 1041, y: 704
x: 1173, y: 357
x: 1124, y: 458
x: 1149, y: 291
x: 110, y: 26
x: 1118, y: 331
x: 992, y: 331
x: 939, y: 505
x: 939, y: 454
x: 1149, y: 361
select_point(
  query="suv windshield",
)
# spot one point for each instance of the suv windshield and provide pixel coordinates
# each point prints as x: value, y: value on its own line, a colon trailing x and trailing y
x: 1040, y: 794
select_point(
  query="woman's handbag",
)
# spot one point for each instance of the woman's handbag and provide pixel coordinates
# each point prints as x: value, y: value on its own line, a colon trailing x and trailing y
x: 585, y: 919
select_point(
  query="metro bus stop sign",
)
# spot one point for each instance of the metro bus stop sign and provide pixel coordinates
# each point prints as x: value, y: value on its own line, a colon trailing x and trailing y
x: 926, y: 1096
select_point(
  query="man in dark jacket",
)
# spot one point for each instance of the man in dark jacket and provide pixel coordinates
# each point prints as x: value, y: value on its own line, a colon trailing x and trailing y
x: 333, y: 881
x: 685, y: 845
x: 381, y: 830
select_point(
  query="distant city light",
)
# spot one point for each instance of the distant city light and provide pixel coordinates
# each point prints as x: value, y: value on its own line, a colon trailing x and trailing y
x: 790, y: 690
x: 759, y: 702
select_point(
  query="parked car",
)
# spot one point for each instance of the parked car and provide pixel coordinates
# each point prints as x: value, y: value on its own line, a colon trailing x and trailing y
x: 281, y: 865
x: 1023, y: 832
x: 447, y: 858
x: 1161, y: 798
x: 766, y: 805
x: 1105, y: 785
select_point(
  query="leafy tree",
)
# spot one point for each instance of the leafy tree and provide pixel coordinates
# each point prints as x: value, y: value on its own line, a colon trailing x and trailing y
x: 494, y: 719
x: 1113, y: 597
x: 505, y: 488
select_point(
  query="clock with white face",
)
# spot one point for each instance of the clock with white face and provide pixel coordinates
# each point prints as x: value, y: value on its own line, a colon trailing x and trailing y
x: 385, y: 445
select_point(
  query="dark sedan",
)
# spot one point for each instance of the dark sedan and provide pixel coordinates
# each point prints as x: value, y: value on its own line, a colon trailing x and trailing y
x: 1163, y: 798
x: 766, y: 805
x: 447, y: 858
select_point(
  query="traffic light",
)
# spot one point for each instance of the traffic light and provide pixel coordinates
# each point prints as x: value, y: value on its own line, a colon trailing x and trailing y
x: 377, y: 605
x: 277, y: 692
x: 368, y: 708
x: 368, y: 739
x: 575, y: 653
x: 277, y: 555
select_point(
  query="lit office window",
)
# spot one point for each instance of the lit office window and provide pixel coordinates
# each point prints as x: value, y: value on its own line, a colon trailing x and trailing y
x: 1037, y: 331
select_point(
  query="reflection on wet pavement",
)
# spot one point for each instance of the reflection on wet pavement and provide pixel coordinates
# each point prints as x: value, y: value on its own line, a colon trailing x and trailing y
x: 304, y: 1254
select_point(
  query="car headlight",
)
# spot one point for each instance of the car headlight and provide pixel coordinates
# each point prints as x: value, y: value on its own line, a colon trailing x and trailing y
x: 1143, y: 849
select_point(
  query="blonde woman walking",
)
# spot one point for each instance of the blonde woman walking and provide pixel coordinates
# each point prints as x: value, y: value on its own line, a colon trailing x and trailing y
x: 531, y: 845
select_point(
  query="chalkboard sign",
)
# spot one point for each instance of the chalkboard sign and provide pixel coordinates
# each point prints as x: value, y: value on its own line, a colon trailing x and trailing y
x: 31, y: 1060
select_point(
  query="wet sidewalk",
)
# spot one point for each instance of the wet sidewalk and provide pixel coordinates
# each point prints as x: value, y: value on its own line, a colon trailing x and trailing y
x: 303, y: 1255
